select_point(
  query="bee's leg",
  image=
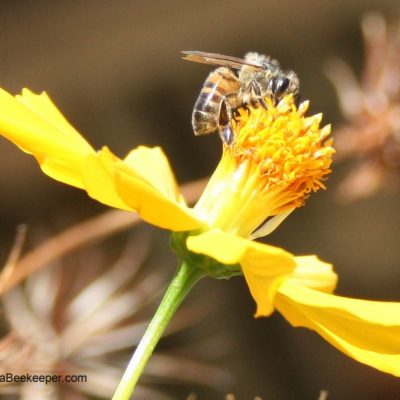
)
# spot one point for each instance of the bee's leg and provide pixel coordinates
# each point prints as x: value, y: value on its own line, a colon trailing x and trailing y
x: 297, y: 99
x: 225, y: 113
x: 224, y: 126
x: 258, y: 93
x: 226, y: 134
x: 262, y: 102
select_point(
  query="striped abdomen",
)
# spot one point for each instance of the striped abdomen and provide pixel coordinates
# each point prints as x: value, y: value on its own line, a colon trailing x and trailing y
x: 210, y: 110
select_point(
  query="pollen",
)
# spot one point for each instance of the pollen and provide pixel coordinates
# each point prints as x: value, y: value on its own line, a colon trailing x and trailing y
x: 284, y: 148
x: 277, y: 158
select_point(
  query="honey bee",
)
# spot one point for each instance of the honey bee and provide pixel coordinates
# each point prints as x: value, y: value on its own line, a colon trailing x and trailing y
x: 236, y: 83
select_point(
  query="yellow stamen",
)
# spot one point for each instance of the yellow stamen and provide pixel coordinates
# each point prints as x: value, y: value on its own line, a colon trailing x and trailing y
x: 278, y: 158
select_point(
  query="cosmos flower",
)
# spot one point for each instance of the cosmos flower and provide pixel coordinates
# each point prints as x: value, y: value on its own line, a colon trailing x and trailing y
x: 278, y: 157
x: 370, y: 137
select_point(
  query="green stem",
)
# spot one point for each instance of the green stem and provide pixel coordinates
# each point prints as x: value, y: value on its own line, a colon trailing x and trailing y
x: 179, y: 287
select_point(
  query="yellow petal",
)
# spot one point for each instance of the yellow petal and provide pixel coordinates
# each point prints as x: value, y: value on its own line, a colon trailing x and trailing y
x: 263, y: 266
x: 315, y: 274
x: 143, y: 182
x: 98, y: 174
x: 153, y: 165
x: 33, y: 123
x: 367, y: 331
x: 154, y: 197
x: 124, y: 184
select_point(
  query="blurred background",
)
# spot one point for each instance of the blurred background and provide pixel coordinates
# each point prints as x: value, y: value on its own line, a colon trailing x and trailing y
x: 114, y: 69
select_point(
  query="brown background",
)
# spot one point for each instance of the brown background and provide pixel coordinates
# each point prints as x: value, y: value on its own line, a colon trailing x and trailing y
x: 114, y: 69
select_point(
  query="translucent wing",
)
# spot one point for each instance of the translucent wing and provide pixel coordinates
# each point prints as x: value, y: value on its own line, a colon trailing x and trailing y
x: 219, y: 59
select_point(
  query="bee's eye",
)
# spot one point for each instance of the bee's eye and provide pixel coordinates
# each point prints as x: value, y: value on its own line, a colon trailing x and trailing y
x: 282, y: 85
x: 279, y: 85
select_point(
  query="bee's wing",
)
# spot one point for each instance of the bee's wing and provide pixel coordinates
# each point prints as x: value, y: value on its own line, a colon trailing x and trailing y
x: 219, y: 59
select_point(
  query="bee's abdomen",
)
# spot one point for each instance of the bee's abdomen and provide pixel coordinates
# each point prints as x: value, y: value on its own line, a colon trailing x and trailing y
x: 207, y: 109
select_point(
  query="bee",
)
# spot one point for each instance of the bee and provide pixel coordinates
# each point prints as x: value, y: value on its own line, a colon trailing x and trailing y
x: 237, y: 82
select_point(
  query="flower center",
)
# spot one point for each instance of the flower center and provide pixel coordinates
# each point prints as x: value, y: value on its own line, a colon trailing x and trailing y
x: 278, y: 158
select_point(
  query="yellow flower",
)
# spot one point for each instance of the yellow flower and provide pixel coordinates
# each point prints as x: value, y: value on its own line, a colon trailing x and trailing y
x: 278, y: 157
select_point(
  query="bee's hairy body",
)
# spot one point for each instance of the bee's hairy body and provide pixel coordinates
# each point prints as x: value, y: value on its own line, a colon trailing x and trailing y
x: 209, y: 111
x: 225, y: 89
